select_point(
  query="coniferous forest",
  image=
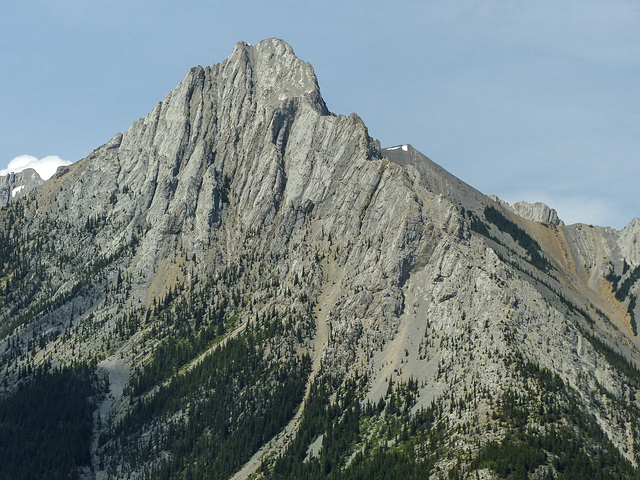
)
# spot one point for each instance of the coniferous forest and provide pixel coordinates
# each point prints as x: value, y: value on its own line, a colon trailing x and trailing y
x: 46, y: 425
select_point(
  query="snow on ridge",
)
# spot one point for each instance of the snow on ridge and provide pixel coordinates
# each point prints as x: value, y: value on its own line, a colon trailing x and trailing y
x: 403, y: 147
x: 16, y: 191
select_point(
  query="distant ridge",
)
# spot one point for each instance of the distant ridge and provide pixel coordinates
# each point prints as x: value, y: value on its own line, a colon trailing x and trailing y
x: 16, y: 185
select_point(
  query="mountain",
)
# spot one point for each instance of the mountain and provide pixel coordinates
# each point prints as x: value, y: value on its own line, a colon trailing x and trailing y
x: 245, y: 284
x: 538, y: 212
x: 17, y: 185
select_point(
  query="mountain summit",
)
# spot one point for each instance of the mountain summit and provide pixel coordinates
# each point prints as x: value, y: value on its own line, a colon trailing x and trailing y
x: 246, y: 285
x: 18, y: 184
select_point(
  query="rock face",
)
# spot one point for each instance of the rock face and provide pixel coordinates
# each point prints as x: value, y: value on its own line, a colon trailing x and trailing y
x: 538, y: 212
x: 16, y: 185
x: 242, y: 263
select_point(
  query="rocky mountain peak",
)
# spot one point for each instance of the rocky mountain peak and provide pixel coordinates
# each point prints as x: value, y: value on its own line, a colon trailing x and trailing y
x: 277, y: 74
x: 536, y: 212
x: 16, y: 185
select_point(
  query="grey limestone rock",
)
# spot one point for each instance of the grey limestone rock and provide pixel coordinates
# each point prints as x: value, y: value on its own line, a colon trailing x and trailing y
x: 16, y: 185
x: 538, y: 212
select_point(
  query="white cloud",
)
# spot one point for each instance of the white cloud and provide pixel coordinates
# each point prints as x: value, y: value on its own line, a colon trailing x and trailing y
x: 45, y: 166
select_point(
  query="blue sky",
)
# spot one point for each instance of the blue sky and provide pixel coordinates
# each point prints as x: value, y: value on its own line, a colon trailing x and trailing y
x: 525, y: 100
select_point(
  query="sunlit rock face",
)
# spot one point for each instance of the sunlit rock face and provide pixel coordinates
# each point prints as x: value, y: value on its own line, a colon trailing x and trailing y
x: 16, y: 185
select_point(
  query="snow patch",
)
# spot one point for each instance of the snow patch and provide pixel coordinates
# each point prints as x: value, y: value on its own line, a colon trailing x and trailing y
x: 16, y: 191
x: 403, y: 147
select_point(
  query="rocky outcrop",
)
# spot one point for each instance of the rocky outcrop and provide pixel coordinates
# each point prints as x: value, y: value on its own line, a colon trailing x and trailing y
x: 16, y: 185
x: 537, y: 212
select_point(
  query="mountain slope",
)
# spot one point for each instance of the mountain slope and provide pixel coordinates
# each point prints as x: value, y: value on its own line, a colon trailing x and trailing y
x: 252, y: 286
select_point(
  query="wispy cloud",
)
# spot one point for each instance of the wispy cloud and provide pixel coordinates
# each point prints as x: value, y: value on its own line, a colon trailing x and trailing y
x: 45, y: 166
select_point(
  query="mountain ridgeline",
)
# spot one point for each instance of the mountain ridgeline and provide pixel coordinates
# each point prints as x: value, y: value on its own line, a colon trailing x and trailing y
x: 246, y: 285
x: 13, y: 186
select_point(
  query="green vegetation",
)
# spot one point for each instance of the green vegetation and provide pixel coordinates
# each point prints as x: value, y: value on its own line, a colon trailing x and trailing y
x: 521, y: 237
x: 621, y: 291
x: 186, y: 341
x: 613, y: 279
x: 514, y: 457
x: 632, y: 314
x: 239, y: 400
x: 545, y: 434
x: 347, y: 430
x: 615, y: 359
x: 478, y: 225
x: 547, y: 431
x: 46, y: 424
